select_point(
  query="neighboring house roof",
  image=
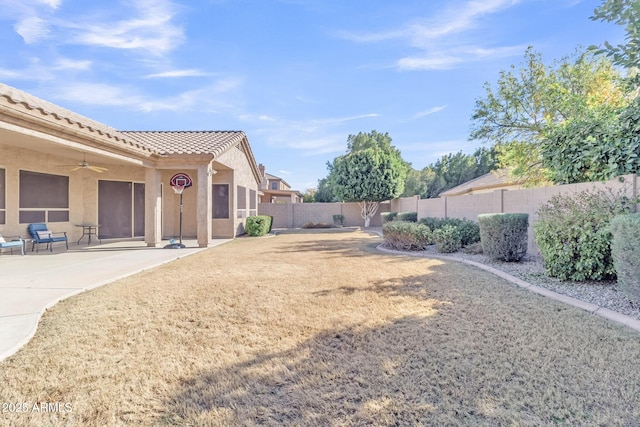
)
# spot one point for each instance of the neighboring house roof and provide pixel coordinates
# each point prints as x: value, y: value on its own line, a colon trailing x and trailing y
x: 24, y: 103
x: 496, y: 179
x: 276, y: 178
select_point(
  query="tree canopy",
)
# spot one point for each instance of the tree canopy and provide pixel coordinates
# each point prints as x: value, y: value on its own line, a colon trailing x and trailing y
x: 372, y: 171
x: 627, y: 14
x: 529, y: 106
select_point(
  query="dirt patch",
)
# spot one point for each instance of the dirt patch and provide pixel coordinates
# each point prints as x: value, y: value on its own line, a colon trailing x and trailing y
x: 320, y: 329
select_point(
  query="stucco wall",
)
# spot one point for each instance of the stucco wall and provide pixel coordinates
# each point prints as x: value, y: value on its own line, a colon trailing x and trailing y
x: 83, y: 187
x: 243, y: 176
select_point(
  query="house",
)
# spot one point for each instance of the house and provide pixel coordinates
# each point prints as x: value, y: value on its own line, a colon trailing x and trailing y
x: 495, y: 180
x: 65, y: 169
x: 276, y: 190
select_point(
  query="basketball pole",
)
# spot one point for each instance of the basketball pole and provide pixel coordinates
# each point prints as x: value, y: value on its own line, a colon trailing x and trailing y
x: 181, y: 245
x: 178, y: 189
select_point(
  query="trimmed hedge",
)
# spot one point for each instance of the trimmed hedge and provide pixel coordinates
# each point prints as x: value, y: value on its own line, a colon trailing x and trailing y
x: 624, y: 249
x: 448, y: 238
x: 469, y: 230
x: 406, y: 236
x: 504, y: 236
x: 388, y: 216
x: 259, y: 225
x: 399, y: 216
x: 407, y: 216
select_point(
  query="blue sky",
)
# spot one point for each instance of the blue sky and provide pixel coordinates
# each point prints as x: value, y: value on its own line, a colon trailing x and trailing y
x: 298, y: 76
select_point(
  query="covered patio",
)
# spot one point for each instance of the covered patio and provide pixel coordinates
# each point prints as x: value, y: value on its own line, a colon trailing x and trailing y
x: 67, y: 170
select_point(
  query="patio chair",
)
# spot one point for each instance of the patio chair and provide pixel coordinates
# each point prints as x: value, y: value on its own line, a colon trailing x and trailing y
x: 41, y: 234
x: 11, y: 244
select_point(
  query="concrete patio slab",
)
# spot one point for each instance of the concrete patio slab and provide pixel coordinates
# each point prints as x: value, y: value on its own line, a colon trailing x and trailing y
x: 31, y: 284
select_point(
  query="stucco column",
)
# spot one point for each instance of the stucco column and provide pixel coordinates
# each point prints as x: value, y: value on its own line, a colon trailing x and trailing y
x: 204, y: 205
x: 152, y: 207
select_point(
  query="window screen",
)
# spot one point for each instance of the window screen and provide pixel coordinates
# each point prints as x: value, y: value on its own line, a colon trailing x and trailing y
x: 43, y: 197
x: 221, y: 201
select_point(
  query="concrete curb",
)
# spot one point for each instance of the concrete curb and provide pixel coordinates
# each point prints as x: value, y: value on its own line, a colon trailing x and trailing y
x: 605, y: 313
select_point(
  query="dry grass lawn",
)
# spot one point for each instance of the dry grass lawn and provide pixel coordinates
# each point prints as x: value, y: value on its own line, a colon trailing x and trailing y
x: 321, y: 329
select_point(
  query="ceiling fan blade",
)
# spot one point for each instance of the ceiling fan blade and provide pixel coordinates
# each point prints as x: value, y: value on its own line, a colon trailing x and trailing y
x: 97, y: 169
x: 76, y: 168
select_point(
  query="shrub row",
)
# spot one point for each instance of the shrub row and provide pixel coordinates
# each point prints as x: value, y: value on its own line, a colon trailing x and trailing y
x: 406, y: 236
x: 625, y: 230
x: 572, y: 232
x: 504, y: 235
x: 399, y: 216
x: 259, y: 225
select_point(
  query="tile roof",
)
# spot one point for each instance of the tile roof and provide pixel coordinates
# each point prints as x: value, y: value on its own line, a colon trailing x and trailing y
x: 29, y: 103
x: 187, y: 142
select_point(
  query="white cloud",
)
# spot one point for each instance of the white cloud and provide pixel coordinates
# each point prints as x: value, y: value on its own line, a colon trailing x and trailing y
x: 429, y: 111
x: 32, y: 29
x: 53, y: 4
x: 284, y: 172
x: 433, y: 62
x: 442, y: 38
x: 70, y: 64
x: 177, y: 74
x: 148, y: 25
x: 97, y: 94
x: 150, y: 29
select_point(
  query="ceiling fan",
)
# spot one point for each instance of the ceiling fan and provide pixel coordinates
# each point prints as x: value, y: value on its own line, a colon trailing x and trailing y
x: 85, y: 165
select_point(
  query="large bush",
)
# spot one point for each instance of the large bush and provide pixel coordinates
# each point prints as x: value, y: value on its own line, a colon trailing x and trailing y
x: 447, y: 239
x: 572, y: 232
x: 625, y: 230
x: 404, y: 236
x: 469, y: 230
x: 504, y: 235
x: 258, y: 225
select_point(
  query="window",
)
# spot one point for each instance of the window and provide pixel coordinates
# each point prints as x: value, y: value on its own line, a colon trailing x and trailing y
x: 242, y: 202
x: 43, y: 197
x: 3, y: 195
x: 220, y: 201
x: 253, y: 200
x: 274, y: 185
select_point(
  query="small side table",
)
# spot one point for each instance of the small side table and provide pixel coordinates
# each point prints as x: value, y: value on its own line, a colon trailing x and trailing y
x: 89, y: 230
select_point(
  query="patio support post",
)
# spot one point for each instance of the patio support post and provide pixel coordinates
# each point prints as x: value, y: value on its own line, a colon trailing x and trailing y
x: 153, y: 207
x: 204, y: 205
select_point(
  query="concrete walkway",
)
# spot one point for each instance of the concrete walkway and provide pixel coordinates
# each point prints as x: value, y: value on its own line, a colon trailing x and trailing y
x: 30, y: 284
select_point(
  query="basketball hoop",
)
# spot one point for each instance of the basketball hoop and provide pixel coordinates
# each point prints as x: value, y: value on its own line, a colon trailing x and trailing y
x: 178, y: 183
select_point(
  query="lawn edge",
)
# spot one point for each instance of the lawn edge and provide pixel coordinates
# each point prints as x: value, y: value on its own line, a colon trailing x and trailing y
x: 605, y: 313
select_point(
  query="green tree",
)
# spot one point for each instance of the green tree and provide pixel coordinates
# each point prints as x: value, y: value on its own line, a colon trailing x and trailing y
x: 309, y: 195
x: 529, y: 103
x: 594, y: 147
x: 325, y: 192
x: 626, y: 13
x: 368, y: 177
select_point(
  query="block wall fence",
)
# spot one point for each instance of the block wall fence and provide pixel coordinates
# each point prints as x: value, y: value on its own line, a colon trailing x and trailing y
x: 508, y: 201
x: 295, y: 215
